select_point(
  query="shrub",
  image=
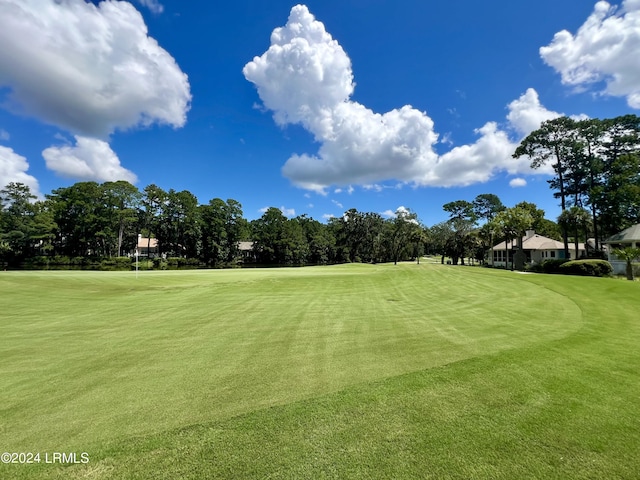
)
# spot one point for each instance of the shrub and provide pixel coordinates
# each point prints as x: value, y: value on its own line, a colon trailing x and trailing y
x: 592, y: 268
x: 116, y: 263
x: 551, y: 265
x: 160, y: 263
x: 145, y: 264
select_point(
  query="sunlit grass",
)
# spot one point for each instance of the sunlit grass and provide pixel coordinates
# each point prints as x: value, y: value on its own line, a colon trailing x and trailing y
x: 336, y: 372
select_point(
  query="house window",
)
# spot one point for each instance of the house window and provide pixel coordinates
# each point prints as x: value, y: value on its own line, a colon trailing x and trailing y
x: 553, y: 254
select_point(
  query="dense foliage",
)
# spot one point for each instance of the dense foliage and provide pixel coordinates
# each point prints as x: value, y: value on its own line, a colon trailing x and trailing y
x: 597, y: 179
x: 90, y: 225
x: 596, y: 166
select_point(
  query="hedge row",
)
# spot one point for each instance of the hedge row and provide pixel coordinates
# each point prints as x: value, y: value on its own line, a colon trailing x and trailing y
x: 590, y: 267
x: 60, y: 262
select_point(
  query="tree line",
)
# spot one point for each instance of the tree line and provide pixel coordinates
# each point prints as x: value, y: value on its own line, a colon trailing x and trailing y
x: 596, y: 165
x: 88, y: 219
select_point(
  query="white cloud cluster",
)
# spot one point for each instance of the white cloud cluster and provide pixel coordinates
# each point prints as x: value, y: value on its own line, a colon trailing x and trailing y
x: 86, y: 68
x: 606, y: 49
x: 89, y: 159
x: 89, y: 69
x: 13, y: 168
x: 305, y: 77
x: 518, y: 182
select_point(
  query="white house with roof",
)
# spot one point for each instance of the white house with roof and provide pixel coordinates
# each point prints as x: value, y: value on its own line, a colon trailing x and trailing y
x: 627, y: 238
x: 146, y: 247
x: 537, y: 248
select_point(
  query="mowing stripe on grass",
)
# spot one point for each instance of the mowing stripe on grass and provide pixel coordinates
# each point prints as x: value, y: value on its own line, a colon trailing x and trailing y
x: 111, y: 365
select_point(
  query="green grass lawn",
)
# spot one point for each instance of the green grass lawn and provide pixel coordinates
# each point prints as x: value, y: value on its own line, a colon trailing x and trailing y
x: 351, y: 371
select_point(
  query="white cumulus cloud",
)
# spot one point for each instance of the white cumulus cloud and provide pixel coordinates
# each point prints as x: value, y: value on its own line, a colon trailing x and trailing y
x: 89, y: 159
x: 4, y: 135
x: 605, y: 49
x: 527, y: 113
x: 518, y: 182
x: 305, y: 78
x: 13, y: 168
x: 88, y: 69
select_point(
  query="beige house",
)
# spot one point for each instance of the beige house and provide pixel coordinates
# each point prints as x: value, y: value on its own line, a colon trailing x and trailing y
x: 536, y: 248
x: 146, y: 247
x: 246, y: 252
x: 627, y: 238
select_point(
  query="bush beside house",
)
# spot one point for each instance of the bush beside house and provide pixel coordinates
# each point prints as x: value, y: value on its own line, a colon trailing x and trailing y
x: 590, y: 268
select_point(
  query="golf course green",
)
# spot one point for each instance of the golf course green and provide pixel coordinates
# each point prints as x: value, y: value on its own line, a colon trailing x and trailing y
x: 347, y: 371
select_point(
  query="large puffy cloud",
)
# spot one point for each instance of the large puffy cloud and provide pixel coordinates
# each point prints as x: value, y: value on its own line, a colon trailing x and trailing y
x: 88, y: 69
x: 13, y: 168
x: 605, y: 48
x: 89, y: 159
x: 305, y: 77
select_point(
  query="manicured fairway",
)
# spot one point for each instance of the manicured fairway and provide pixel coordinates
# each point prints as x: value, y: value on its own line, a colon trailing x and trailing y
x: 352, y: 371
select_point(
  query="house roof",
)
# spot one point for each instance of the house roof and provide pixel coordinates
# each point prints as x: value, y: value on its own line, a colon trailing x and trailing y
x: 245, y: 246
x: 539, y: 242
x: 631, y: 234
x: 143, y: 242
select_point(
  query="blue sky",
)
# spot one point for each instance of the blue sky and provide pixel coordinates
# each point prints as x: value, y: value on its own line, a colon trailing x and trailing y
x: 350, y: 104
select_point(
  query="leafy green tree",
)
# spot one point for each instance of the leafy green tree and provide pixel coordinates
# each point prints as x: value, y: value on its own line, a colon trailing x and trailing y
x: 541, y: 225
x: 294, y: 243
x: 223, y: 227
x: 26, y: 225
x: 268, y: 231
x: 577, y: 220
x: 554, y: 142
x: 122, y: 201
x: 487, y: 205
x: 400, y: 231
x: 618, y: 197
x: 356, y: 235
x: 179, y: 224
x: 486, y: 236
x: 278, y: 240
x: 153, y: 200
x: 513, y: 224
x: 462, y: 219
x: 80, y: 215
x: 591, y: 133
x: 441, y: 239
x: 628, y: 254
x: 320, y: 240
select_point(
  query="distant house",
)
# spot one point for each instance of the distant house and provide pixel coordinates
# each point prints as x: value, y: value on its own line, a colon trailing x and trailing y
x: 536, y: 248
x: 147, y: 247
x: 627, y: 238
x: 247, y: 253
